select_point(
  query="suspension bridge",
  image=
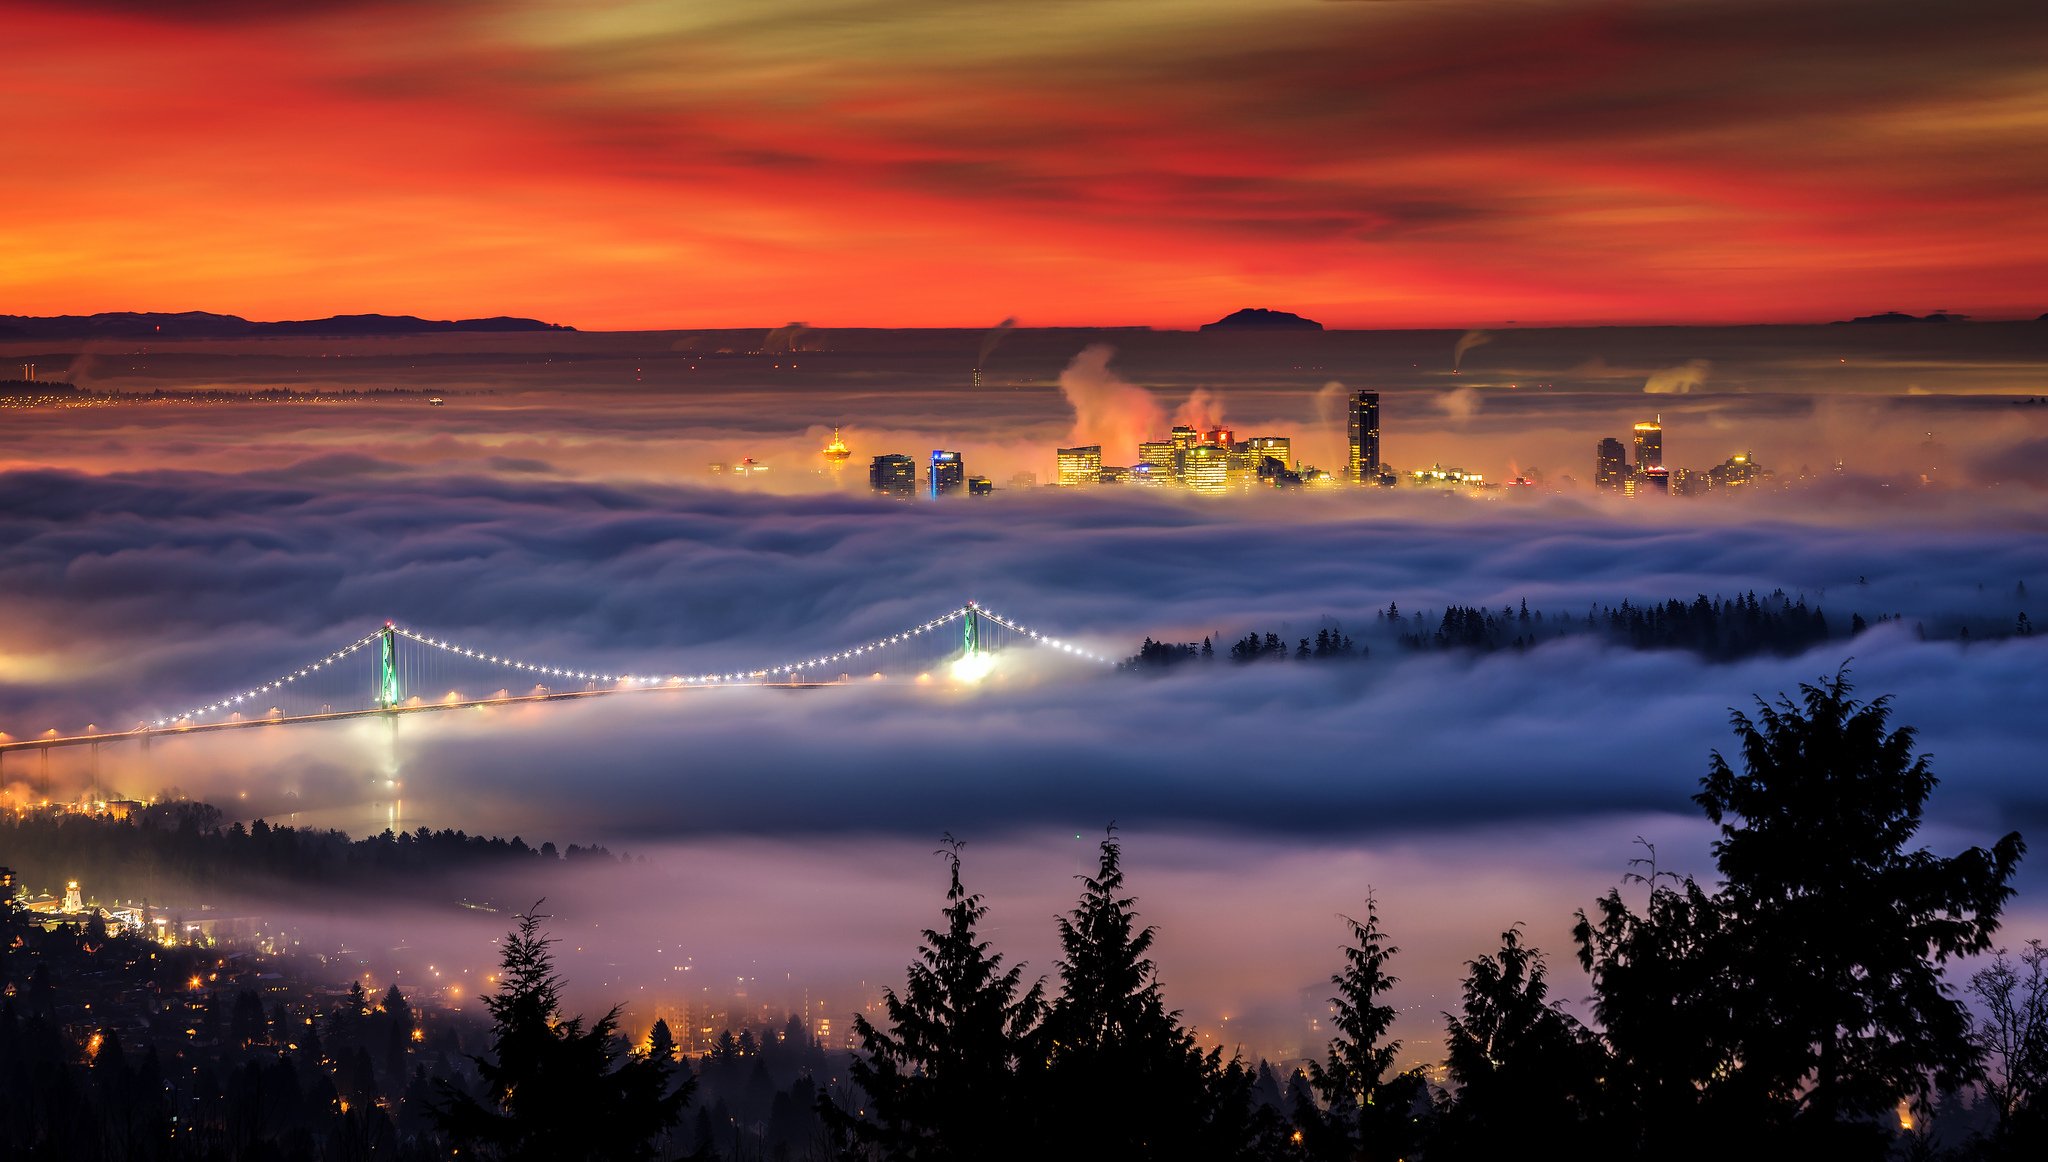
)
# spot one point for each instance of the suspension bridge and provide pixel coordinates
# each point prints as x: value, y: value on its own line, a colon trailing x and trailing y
x: 396, y: 670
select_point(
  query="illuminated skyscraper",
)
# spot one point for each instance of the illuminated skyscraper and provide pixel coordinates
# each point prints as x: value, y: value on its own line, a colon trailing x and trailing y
x: 1364, y: 467
x: 1610, y: 468
x: 893, y: 475
x: 1280, y: 448
x: 1082, y: 465
x: 1162, y: 457
x: 1206, y: 468
x: 1649, y: 445
x: 948, y: 473
x: 980, y: 486
x: 1182, y: 438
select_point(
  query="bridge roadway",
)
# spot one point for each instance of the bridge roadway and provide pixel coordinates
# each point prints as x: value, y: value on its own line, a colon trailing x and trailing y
x: 145, y: 733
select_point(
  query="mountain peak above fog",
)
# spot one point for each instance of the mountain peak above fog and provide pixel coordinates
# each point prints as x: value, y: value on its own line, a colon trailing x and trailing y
x: 208, y: 325
x: 1261, y: 319
x: 1903, y: 317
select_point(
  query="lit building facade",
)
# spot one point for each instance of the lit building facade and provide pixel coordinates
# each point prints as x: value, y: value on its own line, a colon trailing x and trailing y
x: 1649, y: 445
x: 1610, y: 466
x: 1280, y: 448
x: 1161, y: 456
x: 1079, y: 466
x: 1364, y: 466
x: 1206, y: 469
x: 948, y: 473
x: 1737, y: 472
x: 893, y: 475
x: 980, y: 486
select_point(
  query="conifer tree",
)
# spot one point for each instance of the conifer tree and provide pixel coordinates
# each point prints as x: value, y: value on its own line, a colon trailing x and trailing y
x: 1367, y: 1113
x: 953, y: 1074
x: 1526, y: 1074
x: 1124, y: 1076
x: 555, y: 1090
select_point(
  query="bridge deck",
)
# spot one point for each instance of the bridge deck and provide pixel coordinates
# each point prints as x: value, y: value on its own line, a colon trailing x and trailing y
x: 51, y: 742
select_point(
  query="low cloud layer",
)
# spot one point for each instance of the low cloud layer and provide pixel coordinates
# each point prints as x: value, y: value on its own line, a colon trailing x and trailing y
x: 172, y: 556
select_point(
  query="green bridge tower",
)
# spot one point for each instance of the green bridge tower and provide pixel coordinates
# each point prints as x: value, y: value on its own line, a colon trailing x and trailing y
x: 970, y: 632
x: 387, y: 668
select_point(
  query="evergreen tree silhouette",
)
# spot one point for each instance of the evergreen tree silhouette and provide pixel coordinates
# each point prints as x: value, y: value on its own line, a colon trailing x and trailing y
x: 953, y: 1075
x: 555, y: 1090
x: 1366, y: 1112
x: 1526, y: 1074
x: 1125, y: 1080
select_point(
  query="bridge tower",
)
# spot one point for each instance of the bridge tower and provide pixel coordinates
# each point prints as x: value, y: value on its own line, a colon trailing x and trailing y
x: 387, y: 668
x: 970, y: 632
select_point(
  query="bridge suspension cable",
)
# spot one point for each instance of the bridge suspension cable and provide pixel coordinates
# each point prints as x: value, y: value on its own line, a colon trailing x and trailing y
x: 387, y: 694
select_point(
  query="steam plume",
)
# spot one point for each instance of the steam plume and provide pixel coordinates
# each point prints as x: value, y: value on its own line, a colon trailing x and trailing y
x: 1467, y: 342
x: 1460, y: 405
x: 993, y: 340
x: 1108, y: 409
x: 1680, y: 379
x: 1202, y: 411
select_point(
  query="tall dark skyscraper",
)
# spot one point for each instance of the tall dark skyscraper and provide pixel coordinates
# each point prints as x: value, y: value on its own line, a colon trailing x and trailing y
x: 893, y: 475
x: 1610, y: 468
x: 948, y: 473
x: 1364, y: 467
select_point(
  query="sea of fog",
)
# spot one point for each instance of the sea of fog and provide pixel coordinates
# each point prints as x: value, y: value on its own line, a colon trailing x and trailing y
x: 561, y: 504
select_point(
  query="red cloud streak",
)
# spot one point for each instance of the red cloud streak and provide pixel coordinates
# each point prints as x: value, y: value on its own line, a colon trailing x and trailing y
x: 912, y: 163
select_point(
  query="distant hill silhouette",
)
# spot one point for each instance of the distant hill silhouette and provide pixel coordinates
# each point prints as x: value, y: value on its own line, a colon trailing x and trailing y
x: 1261, y: 319
x: 1903, y: 317
x: 207, y: 325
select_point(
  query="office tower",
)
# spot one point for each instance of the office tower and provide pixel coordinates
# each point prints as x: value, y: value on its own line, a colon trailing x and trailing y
x: 1365, y: 438
x: 1655, y: 482
x: 980, y: 486
x: 1610, y: 466
x: 1082, y: 465
x: 1280, y: 448
x: 1206, y: 468
x: 893, y: 475
x: 1182, y: 438
x: 948, y: 473
x: 1162, y: 457
x: 1649, y: 445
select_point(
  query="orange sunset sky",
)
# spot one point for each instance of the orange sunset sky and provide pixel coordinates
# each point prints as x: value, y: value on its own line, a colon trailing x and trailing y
x: 658, y: 163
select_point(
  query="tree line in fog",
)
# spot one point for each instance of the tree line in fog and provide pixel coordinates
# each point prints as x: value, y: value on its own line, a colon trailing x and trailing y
x: 1713, y: 628
x: 178, y: 846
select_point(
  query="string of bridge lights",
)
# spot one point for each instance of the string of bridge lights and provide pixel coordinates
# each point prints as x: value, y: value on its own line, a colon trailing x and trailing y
x: 634, y: 679
x: 279, y: 684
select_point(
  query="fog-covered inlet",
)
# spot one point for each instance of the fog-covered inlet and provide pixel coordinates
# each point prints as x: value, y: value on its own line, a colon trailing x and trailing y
x: 155, y: 556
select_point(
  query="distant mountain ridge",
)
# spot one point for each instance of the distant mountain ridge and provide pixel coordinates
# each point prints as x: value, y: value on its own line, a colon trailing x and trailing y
x: 207, y: 325
x: 1261, y: 319
x: 1902, y: 317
